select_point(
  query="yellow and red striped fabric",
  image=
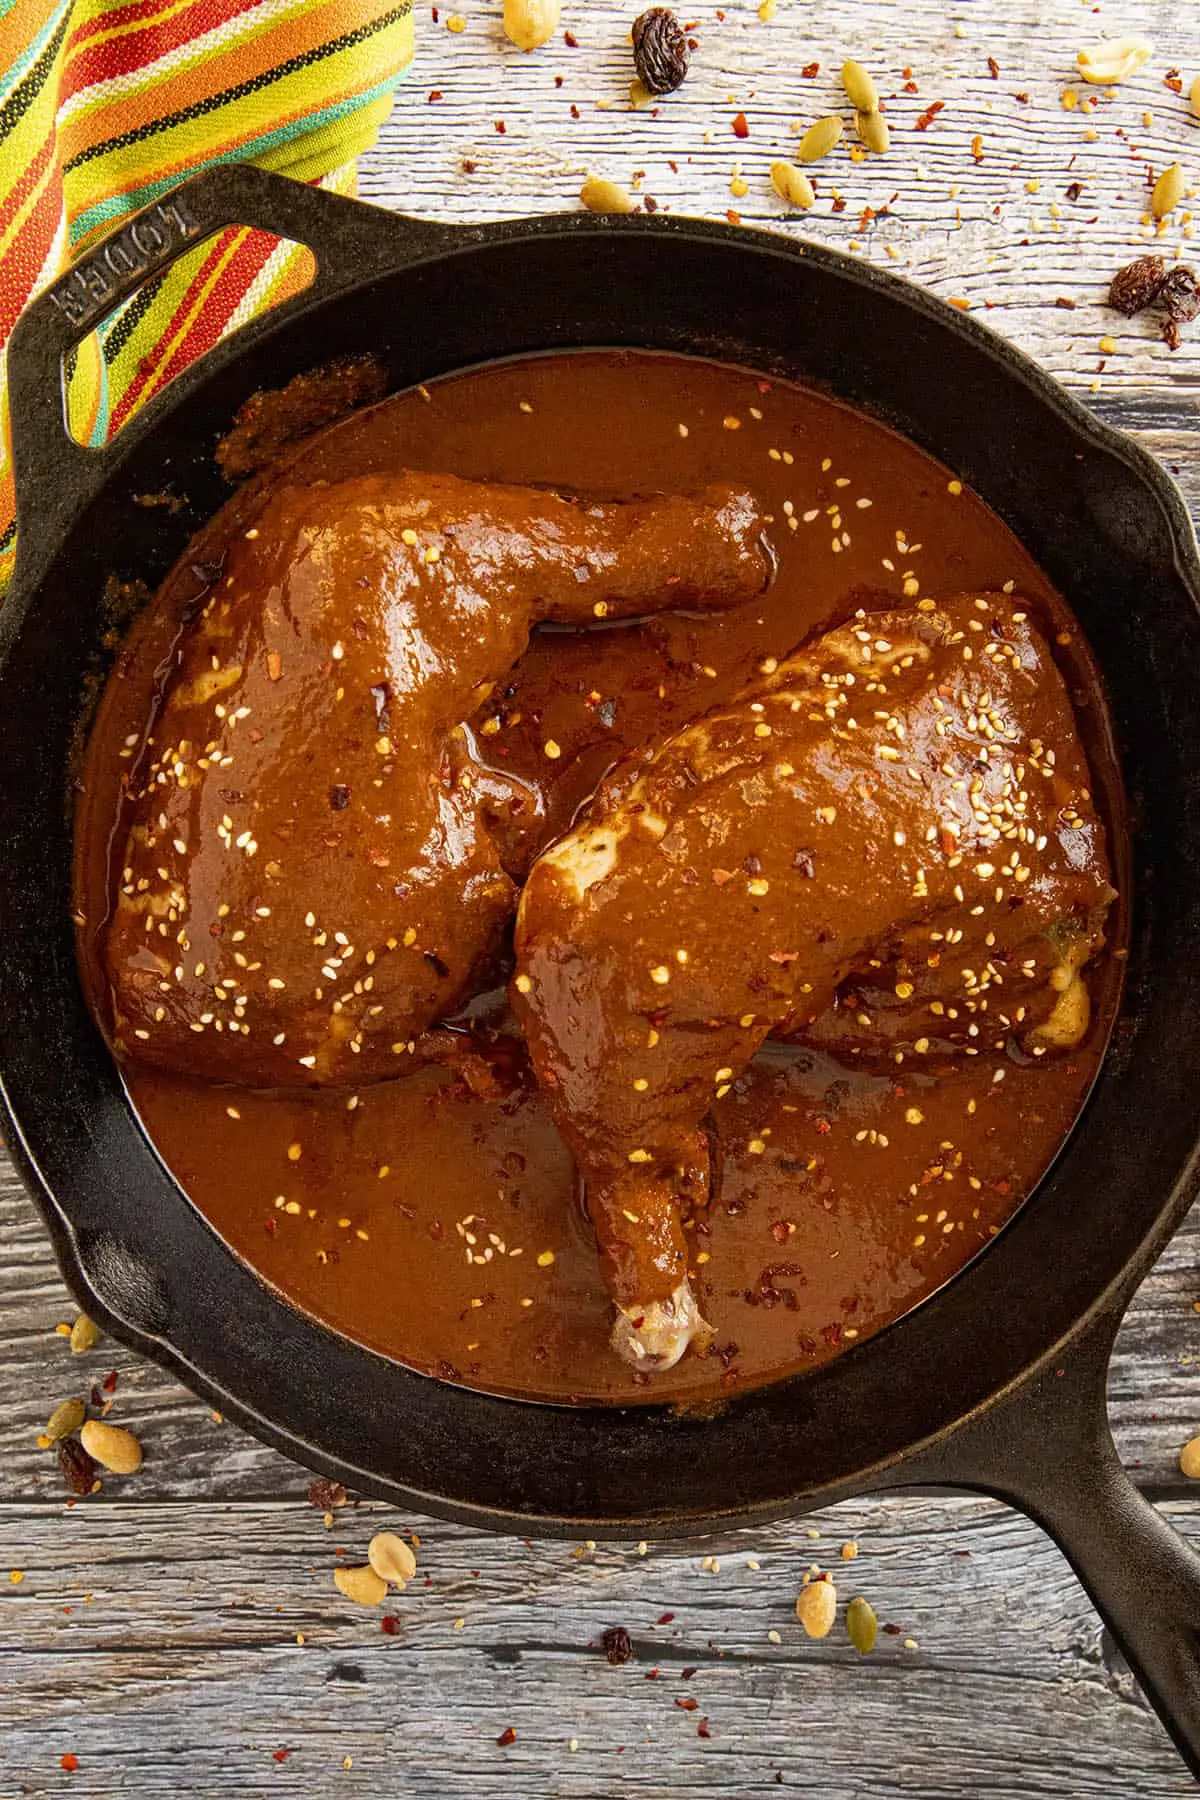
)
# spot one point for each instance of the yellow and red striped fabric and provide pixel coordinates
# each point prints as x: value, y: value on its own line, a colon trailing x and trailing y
x: 105, y: 105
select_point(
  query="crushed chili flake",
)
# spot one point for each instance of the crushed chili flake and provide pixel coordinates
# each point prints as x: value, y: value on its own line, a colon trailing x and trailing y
x: 435, y: 94
x: 1065, y: 304
x: 929, y: 115
x: 501, y: 127
x: 735, y: 218
x: 993, y: 68
x: 810, y: 71
x: 702, y: 1729
x: 741, y: 128
x: 570, y: 40
x: 109, y: 1384
x: 666, y: 1618
x: 686, y: 1702
x: 839, y: 204
x: 1174, y: 81
x: 69, y: 1762
x: 507, y: 1736
x: 911, y: 87
x: 389, y: 1624
x: 280, y: 1756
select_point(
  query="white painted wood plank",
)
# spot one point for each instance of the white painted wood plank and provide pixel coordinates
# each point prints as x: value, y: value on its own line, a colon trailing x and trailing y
x: 183, y: 1672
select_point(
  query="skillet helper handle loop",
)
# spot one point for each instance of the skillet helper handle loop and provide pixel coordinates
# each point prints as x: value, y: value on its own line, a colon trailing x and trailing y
x: 351, y: 242
x: 1047, y: 1449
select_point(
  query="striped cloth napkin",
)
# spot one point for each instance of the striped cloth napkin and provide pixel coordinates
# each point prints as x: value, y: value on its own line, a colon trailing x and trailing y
x: 105, y: 104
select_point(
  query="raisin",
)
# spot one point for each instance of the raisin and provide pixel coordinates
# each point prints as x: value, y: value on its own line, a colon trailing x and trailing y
x: 618, y: 1645
x: 78, y: 1469
x: 325, y: 1494
x: 1137, y: 285
x: 660, y: 50
x: 1179, y: 295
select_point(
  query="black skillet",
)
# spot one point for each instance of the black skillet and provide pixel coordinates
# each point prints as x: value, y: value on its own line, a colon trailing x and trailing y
x: 998, y: 1382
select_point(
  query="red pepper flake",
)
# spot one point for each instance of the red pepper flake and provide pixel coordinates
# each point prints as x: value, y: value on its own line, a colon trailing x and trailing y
x: 893, y: 1630
x: 434, y: 11
x: 109, y: 1384
x: 435, y: 94
x: 810, y: 71
x: 665, y: 1618
x: 910, y: 87
x: 735, y: 218
x: 687, y: 1674
x: 69, y: 1762
x: 575, y: 114
x: 740, y: 127
x: 570, y: 40
x: 389, y: 1624
x: 501, y: 127
x: 702, y: 1729
x: 507, y: 1736
x: 824, y: 1127
x: 1074, y: 190
x: 558, y: 81
x: 1064, y: 304
x: 993, y: 68
x: 962, y: 303
x: 839, y: 204
x: 468, y: 167
x: 929, y: 115
x: 687, y: 1703
x: 1173, y: 80
x: 280, y: 1755
x: 652, y: 1674
x: 977, y: 148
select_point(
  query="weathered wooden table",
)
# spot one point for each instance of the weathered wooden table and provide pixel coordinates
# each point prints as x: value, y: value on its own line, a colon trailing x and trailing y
x: 179, y: 1633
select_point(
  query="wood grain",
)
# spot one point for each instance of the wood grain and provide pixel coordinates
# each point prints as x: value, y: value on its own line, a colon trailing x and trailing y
x: 182, y: 1672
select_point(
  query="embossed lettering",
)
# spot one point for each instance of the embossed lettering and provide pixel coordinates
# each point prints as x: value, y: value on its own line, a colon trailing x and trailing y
x: 95, y: 283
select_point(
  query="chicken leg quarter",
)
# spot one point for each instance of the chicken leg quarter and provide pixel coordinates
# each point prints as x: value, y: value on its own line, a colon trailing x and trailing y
x: 906, y: 794
x: 309, y: 880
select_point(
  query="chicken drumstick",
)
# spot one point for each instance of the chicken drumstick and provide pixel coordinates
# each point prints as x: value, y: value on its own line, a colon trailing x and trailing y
x: 309, y: 881
x: 904, y: 790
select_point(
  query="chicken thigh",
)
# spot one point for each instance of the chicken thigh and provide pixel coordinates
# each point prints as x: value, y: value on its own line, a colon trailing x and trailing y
x: 309, y: 881
x: 904, y: 799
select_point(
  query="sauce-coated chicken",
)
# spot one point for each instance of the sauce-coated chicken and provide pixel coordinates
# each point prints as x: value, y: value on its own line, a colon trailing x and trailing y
x: 309, y: 880
x: 903, y: 802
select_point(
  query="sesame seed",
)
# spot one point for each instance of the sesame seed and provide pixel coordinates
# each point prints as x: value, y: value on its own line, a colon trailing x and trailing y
x: 661, y: 974
x: 545, y: 1259
x: 552, y: 750
x: 523, y: 984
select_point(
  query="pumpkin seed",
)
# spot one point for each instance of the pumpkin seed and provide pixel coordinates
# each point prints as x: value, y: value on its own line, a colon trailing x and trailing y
x: 531, y: 23
x: 1168, y: 191
x: 363, y: 1585
x: 792, y: 185
x: 819, y: 139
x: 1114, y: 60
x: 112, y: 1446
x: 860, y: 87
x: 862, y: 1626
x: 816, y: 1608
x: 67, y: 1417
x: 391, y: 1558
x: 872, y: 129
x: 1189, y: 1459
x: 85, y: 1335
x: 600, y: 196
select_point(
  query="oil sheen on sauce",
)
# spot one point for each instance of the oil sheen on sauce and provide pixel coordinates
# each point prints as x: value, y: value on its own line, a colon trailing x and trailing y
x: 444, y: 1228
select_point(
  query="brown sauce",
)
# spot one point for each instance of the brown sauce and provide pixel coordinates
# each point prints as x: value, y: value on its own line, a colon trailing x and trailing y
x: 443, y: 1227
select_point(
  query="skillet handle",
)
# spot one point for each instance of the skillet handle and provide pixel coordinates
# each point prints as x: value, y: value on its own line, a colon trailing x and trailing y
x: 351, y: 241
x: 1047, y: 1449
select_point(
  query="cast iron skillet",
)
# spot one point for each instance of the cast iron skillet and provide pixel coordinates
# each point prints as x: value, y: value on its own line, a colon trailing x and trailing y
x: 998, y: 1382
